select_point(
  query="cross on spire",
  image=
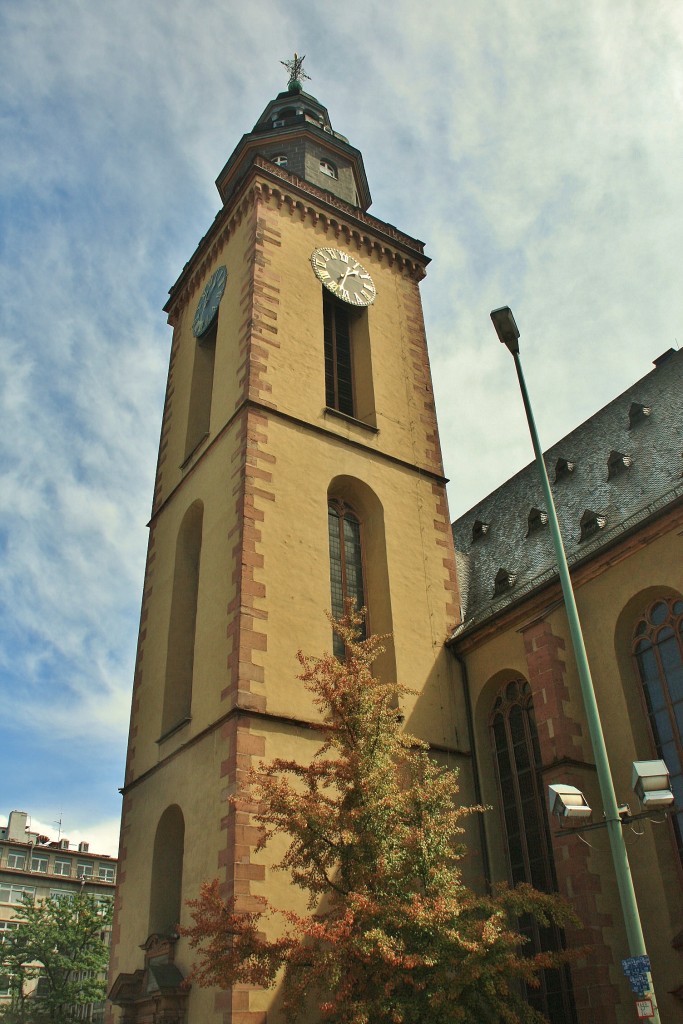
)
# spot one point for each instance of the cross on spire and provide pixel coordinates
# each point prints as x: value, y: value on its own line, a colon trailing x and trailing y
x: 296, y: 72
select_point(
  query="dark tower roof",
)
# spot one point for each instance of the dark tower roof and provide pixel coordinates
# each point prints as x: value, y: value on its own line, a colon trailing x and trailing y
x: 294, y: 132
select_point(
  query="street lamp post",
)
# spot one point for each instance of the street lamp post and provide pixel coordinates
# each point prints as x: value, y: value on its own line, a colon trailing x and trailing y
x: 508, y: 334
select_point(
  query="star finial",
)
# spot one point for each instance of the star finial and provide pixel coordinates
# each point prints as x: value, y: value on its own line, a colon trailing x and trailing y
x: 296, y: 72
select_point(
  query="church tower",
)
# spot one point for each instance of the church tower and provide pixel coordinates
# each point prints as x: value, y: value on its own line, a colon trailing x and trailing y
x: 299, y: 463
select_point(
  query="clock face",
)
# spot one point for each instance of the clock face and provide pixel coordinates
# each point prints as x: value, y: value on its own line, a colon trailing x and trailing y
x: 207, y: 307
x: 344, y: 276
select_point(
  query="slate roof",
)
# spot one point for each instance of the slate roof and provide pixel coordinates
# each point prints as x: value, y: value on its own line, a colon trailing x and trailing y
x: 627, y: 468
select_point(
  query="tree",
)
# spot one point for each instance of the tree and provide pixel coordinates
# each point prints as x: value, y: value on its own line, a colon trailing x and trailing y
x: 59, y: 941
x: 374, y: 825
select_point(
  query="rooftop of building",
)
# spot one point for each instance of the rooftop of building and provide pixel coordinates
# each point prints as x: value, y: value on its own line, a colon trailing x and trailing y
x: 18, y: 831
x: 609, y: 476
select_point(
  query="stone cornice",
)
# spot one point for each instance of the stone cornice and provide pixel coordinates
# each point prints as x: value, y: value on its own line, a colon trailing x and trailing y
x: 298, y: 195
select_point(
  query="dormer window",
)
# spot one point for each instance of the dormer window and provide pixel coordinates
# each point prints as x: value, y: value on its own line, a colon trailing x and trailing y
x: 480, y: 529
x: 591, y: 523
x: 617, y: 463
x: 638, y: 414
x: 280, y: 160
x: 536, y: 521
x: 504, y: 581
x: 328, y: 168
x: 563, y: 469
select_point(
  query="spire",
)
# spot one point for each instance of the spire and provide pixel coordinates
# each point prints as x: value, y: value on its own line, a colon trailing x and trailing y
x: 296, y: 72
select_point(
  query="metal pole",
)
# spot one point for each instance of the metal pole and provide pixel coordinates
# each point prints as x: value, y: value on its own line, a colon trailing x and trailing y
x: 629, y: 906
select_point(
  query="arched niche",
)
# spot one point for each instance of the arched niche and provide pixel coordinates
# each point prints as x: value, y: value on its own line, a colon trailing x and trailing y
x: 183, y: 619
x: 167, y: 873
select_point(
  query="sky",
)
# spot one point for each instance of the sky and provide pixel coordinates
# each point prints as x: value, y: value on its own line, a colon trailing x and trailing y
x: 536, y: 148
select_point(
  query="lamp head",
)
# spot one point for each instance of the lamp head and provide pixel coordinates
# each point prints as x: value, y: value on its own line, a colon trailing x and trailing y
x: 652, y: 784
x: 567, y: 801
x: 506, y: 328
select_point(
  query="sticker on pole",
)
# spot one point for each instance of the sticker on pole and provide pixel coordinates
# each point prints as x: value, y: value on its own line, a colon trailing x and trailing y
x: 644, y: 1008
x: 636, y: 965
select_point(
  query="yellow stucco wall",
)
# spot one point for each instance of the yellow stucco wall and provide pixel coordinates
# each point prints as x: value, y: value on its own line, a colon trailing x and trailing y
x: 610, y: 598
x: 271, y: 316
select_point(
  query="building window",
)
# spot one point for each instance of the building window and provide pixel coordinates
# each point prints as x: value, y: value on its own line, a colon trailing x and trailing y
x: 62, y: 867
x: 328, y: 168
x: 280, y: 160
x: 62, y: 894
x: 15, y: 893
x: 39, y: 862
x: 517, y: 756
x: 16, y: 860
x: 84, y: 870
x: 346, y: 563
x: 105, y: 873
x: 338, y: 364
x: 658, y: 653
x: 7, y: 926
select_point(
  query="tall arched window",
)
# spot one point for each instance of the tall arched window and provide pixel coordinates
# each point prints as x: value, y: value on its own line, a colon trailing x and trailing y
x: 338, y: 360
x: 181, y: 630
x: 167, y: 872
x: 658, y: 653
x: 346, y: 561
x: 514, y: 739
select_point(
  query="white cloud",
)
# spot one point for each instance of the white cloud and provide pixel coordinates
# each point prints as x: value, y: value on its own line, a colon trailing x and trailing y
x: 532, y: 146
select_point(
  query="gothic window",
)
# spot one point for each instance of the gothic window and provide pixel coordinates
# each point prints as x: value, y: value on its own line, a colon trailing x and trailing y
x: 517, y: 758
x: 181, y: 633
x: 338, y: 363
x: 658, y: 652
x: 346, y: 562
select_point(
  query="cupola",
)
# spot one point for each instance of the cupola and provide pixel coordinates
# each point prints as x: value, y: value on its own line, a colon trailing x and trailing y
x: 294, y: 134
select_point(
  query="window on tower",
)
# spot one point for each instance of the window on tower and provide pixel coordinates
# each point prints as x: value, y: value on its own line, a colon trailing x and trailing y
x: 338, y: 362
x: 346, y: 562
x: 328, y: 168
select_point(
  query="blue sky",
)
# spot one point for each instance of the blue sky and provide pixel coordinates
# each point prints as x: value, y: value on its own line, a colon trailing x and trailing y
x: 535, y: 147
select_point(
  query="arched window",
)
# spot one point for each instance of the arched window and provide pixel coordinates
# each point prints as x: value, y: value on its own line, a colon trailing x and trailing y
x: 328, y: 168
x: 346, y: 561
x: 338, y: 356
x: 181, y: 631
x: 517, y: 756
x: 658, y: 653
x: 167, y: 873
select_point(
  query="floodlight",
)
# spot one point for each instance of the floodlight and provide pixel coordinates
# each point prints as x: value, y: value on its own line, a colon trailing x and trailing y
x: 567, y: 801
x: 652, y: 784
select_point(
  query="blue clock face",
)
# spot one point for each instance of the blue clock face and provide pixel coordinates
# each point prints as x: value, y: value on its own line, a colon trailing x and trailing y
x: 207, y: 307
